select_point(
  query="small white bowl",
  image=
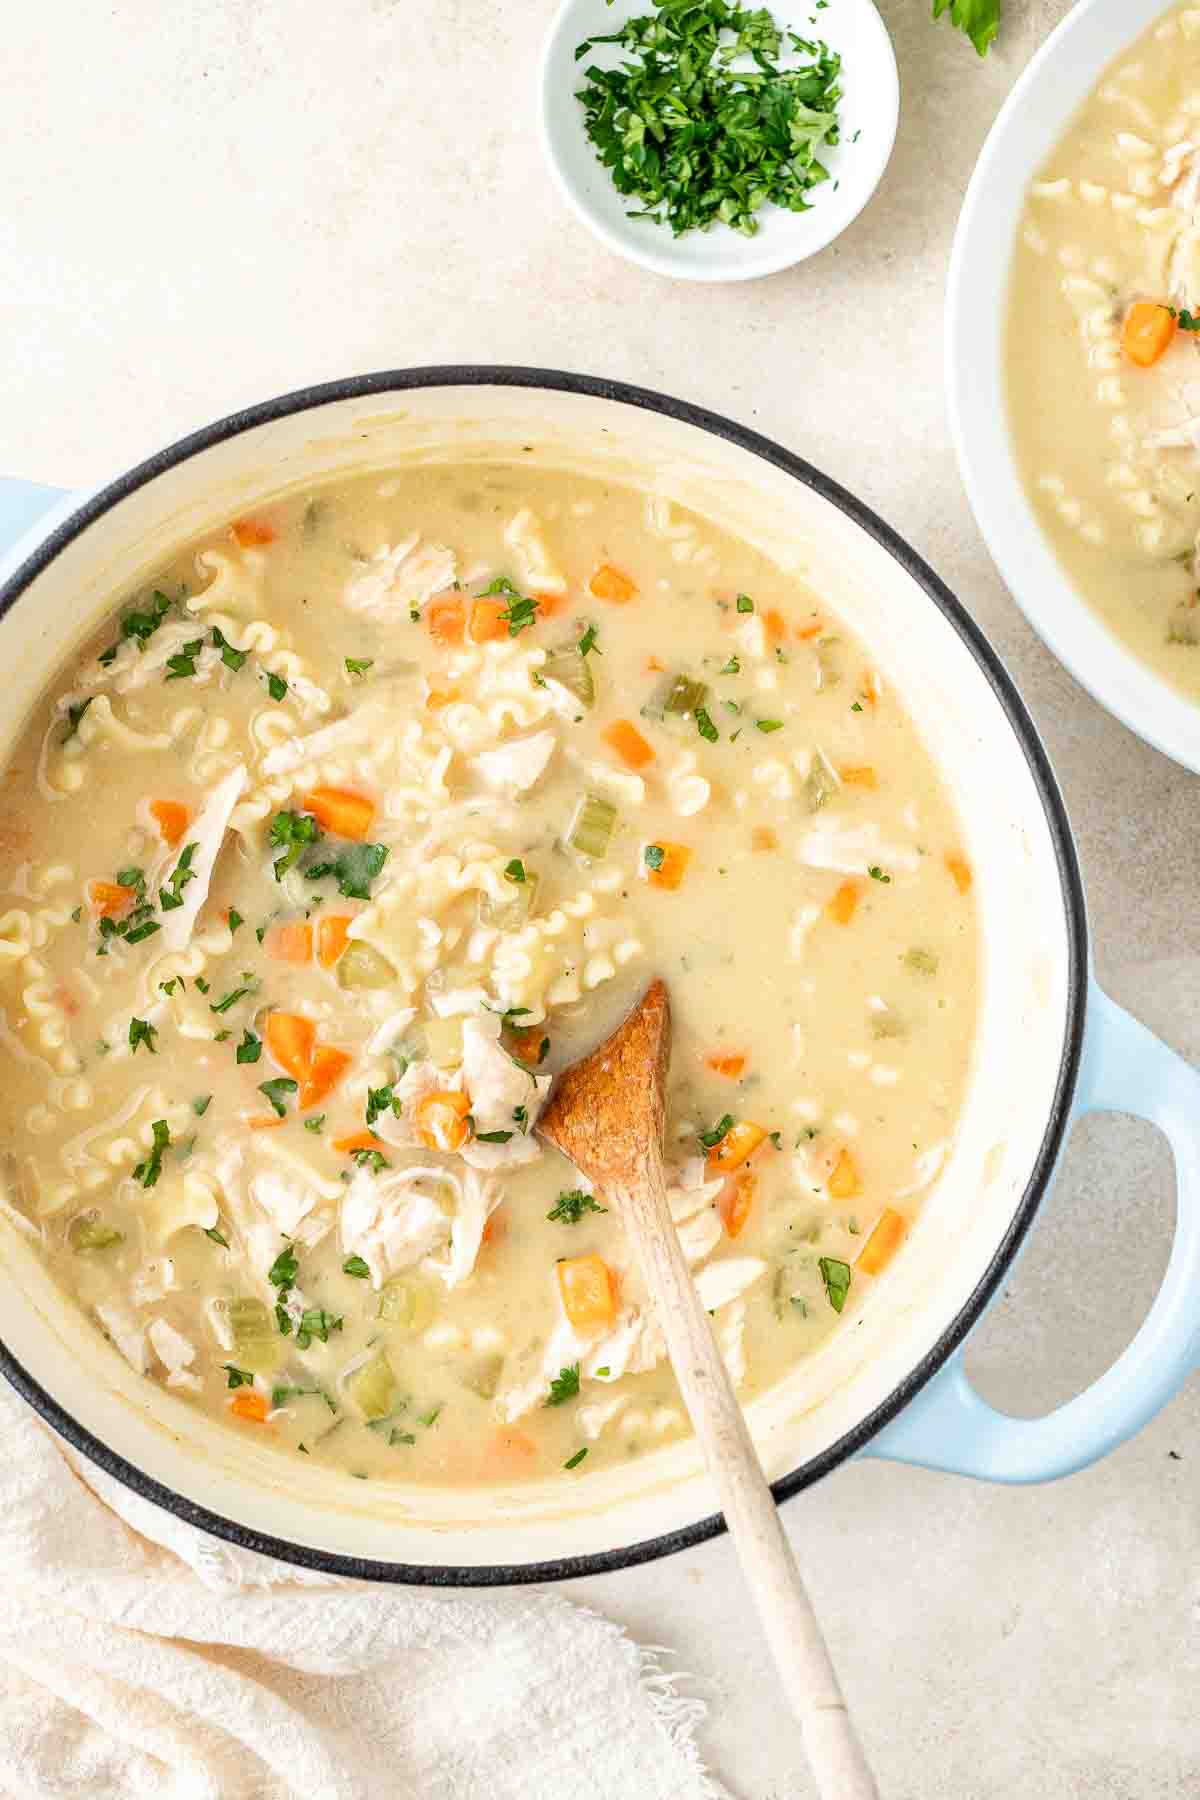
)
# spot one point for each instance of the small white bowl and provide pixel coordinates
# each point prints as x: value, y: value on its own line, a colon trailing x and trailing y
x: 1034, y: 118
x: 868, y: 115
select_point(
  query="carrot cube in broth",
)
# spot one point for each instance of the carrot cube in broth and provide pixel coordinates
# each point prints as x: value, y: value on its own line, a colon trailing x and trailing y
x: 737, y: 1146
x: 326, y: 1069
x: 589, y: 1291
x: 171, y: 817
x: 357, y: 1140
x: 664, y: 864
x: 341, y: 811
x: 489, y: 621
x: 735, y: 1201
x: 1147, y: 332
x: 292, y: 942
x: 886, y: 1237
x: 447, y: 622
x: 624, y: 737
x: 775, y: 625
x: 442, y: 1120
x: 726, y: 1062
x: 290, y: 1039
x: 253, y: 533
x: 764, y: 838
x: 333, y: 934
x: 844, y: 904
x: 108, y: 898
x: 607, y: 583
x: 960, y: 871
x: 247, y: 1403
x: 859, y: 775
x: 843, y: 1182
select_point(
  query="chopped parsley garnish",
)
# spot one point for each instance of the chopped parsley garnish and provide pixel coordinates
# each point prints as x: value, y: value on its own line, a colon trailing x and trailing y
x: 77, y: 915
x: 202, y: 984
x: 431, y: 1417
x: 315, y: 1322
x: 149, y: 1170
x: 249, y: 986
x: 276, y: 1090
x: 654, y: 856
x: 769, y: 724
x: 836, y: 1276
x: 142, y: 1032
x: 705, y: 726
x: 710, y: 1139
x: 1185, y: 320
x: 277, y: 687
x: 515, y: 871
x: 358, y: 665
x: 218, y: 1237
x: 521, y: 1119
x: 183, y: 663
x: 74, y: 714
x: 171, y: 896
x: 696, y: 141
x: 732, y: 667
x: 355, y: 867
x: 315, y: 1123
x: 521, y: 611
x: 235, y: 919
x: 565, y: 1386
x: 250, y: 1048
x: 745, y: 604
x: 587, y: 643
x: 381, y: 1100
x: 291, y: 832
x: 168, y: 987
x: 141, y: 626
x: 284, y: 1270
x: 573, y: 1462
x: 238, y: 1377
x: 877, y: 874
x: 570, y: 1207
x: 374, y: 1160
x: 233, y: 659
x: 493, y: 1137
x: 201, y: 1104
x: 354, y: 1265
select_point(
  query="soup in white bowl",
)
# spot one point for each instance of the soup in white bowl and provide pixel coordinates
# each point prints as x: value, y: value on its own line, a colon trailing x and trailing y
x: 361, y: 817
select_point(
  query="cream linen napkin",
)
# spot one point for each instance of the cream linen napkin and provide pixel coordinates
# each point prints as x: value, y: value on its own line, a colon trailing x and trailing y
x: 142, y: 1659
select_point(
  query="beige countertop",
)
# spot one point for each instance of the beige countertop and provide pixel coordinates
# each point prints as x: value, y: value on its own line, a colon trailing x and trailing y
x: 203, y: 205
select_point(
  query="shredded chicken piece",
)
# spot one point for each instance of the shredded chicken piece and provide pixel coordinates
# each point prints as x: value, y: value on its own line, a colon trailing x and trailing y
x: 207, y: 832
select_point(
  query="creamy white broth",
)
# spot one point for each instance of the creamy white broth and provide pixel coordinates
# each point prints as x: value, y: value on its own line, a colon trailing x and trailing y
x: 187, y: 1102
x: 1110, y: 450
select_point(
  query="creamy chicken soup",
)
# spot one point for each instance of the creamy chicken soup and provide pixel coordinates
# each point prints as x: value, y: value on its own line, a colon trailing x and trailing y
x: 1104, y: 348
x: 357, y: 822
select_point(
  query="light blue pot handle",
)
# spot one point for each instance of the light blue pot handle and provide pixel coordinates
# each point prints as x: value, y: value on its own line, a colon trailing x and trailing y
x: 947, y: 1425
x: 22, y: 504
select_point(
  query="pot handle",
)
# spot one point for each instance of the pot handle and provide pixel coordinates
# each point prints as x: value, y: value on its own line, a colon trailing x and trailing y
x: 22, y: 504
x: 947, y: 1426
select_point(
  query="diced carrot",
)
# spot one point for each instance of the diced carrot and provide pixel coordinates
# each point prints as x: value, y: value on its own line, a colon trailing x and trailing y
x: 442, y: 1120
x: 509, y: 1452
x: 726, y: 1062
x: 843, y: 1182
x: 488, y: 621
x: 341, y: 811
x: 624, y: 737
x: 447, y: 622
x: 252, y: 533
x: 324, y: 1072
x: 842, y: 907
x: 872, y: 687
x: 607, y: 583
x: 859, y: 775
x: 763, y: 838
x: 248, y: 1403
x: 357, y: 1140
x: 735, y: 1200
x: 775, y: 625
x: 436, y: 698
x: 527, y: 1045
x: 290, y: 943
x: 654, y: 667
x: 737, y: 1146
x: 332, y: 937
x: 290, y: 1039
x: 108, y: 898
x: 886, y: 1237
x: 1147, y: 332
x: 589, y: 1291
x: 813, y: 628
x: 171, y: 817
x: 549, y: 605
x: 673, y: 867
x: 264, y: 1121
x: 960, y: 869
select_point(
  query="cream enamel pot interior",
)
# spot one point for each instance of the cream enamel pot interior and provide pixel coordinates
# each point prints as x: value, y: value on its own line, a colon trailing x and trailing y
x: 1049, y: 1047
x: 1031, y: 122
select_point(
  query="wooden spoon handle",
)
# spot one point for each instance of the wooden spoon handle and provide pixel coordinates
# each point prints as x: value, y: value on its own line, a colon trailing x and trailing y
x: 801, y: 1656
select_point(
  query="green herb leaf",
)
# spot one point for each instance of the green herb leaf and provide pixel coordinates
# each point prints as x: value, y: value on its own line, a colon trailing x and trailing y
x: 249, y: 986
x: 493, y: 1137
x: 705, y: 726
x: 381, y: 1100
x: 877, y: 874
x: 710, y: 1139
x: 218, y: 1237
x: 836, y: 1276
x: 654, y: 856
x: 284, y: 1270
x: 745, y: 604
x: 74, y: 714
x: 235, y: 919
x: 183, y: 663
x: 201, y: 1104
x: 570, y: 1207
x: 769, y: 724
x: 172, y: 895
x: 276, y: 1091
x: 565, y: 1386
x: 250, y: 1048
x: 315, y: 1123
x: 355, y: 867
x: 141, y: 1032
x: 358, y: 665
x: 587, y: 643
x: 980, y: 19
x: 374, y: 1160
x: 354, y: 1265
x: 291, y: 832
x: 315, y: 1322
x: 233, y: 659
x: 148, y: 1171
x: 573, y: 1462
x: 238, y: 1377
x: 277, y: 687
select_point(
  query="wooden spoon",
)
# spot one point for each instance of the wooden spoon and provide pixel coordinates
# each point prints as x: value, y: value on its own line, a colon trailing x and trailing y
x: 607, y: 1114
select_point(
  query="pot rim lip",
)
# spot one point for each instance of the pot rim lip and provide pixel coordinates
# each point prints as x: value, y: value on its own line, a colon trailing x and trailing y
x: 359, y: 387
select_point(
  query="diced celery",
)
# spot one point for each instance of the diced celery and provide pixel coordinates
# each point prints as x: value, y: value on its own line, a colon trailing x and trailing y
x: 361, y: 966
x: 443, y: 1042
x: 571, y: 671
x: 256, y: 1343
x: 921, y: 962
x: 592, y: 827
x: 406, y: 1303
x: 822, y: 783
x: 372, y: 1387
x: 674, y: 697
x: 90, y: 1232
x: 510, y: 913
x: 484, y: 1378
